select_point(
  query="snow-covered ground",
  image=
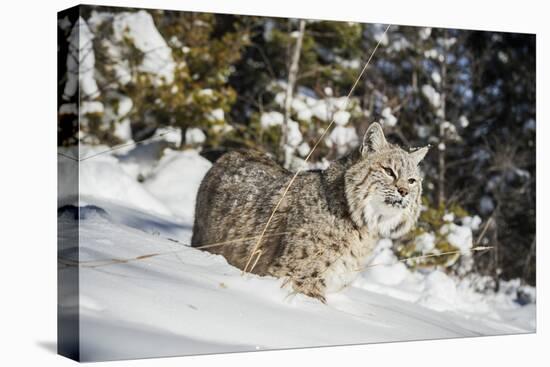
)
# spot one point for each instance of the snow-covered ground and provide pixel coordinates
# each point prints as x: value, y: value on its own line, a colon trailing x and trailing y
x: 167, y: 299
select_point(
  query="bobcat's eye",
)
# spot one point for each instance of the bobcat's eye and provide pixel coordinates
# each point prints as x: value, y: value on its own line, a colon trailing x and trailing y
x: 389, y: 172
x: 411, y: 181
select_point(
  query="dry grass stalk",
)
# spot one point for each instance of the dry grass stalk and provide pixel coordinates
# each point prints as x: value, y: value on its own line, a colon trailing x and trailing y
x: 473, y: 249
x: 99, y: 263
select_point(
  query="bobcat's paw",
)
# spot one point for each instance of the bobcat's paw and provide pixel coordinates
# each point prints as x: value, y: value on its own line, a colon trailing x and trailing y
x: 314, y: 289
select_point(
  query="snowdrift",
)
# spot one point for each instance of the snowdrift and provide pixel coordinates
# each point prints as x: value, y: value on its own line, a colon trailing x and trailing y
x: 162, y: 298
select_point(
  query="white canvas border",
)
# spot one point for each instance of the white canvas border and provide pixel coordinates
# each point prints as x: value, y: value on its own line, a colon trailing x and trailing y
x: 28, y: 324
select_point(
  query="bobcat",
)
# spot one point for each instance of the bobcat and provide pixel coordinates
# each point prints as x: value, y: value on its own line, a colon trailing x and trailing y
x: 327, y: 224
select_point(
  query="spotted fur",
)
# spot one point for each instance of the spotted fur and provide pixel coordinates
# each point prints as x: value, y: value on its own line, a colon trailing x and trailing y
x: 328, y: 222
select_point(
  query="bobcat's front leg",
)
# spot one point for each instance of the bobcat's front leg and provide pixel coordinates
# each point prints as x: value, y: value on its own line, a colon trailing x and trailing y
x: 310, y: 284
x: 305, y: 269
x: 307, y: 277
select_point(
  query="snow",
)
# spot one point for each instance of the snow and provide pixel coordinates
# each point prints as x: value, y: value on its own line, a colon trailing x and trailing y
x: 294, y: 135
x: 175, y: 42
x: 140, y: 28
x: 194, y: 135
x: 301, y: 108
x: 298, y: 105
x: 400, y: 44
x: 125, y: 105
x: 304, y: 149
x: 432, y: 95
x: 305, y: 115
x: 349, y: 64
x: 425, y: 242
x: 180, y: 300
x: 91, y: 107
x: 280, y: 98
x: 123, y: 130
x: 216, y: 115
x: 325, y: 109
x: 169, y: 134
x: 449, y: 129
x: 440, y: 293
x: 436, y: 77
x: 458, y: 236
x: 446, y: 42
x: 173, y: 184
x: 305, y: 104
x: 472, y: 222
x: 522, y: 173
x: 80, y: 62
x: 341, y: 117
x: 448, y: 217
x: 383, y: 274
x: 103, y: 178
x: 206, y: 92
x: 463, y: 121
x: 382, y: 38
x: 321, y: 111
x: 431, y: 54
x: 388, y: 119
x: 343, y: 138
x: 503, y: 57
x: 222, y: 128
x: 425, y: 33
x: 273, y: 118
x: 435, y: 290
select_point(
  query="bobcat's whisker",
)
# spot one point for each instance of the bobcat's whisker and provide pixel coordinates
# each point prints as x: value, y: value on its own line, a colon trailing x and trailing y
x: 346, y: 102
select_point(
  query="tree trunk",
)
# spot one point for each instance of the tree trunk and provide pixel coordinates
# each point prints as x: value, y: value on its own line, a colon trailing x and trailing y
x: 291, y: 83
x: 527, y: 265
x: 496, y: 258
x: 442, y: 146
x: 183, y: 130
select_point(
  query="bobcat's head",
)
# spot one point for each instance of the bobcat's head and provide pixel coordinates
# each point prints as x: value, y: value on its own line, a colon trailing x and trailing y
x: 384, y: 187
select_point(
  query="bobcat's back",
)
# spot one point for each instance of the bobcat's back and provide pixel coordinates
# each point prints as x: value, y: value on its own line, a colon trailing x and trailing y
x: 234, y: 202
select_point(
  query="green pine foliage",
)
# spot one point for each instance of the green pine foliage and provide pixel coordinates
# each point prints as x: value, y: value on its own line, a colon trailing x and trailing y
x: 432, y: 221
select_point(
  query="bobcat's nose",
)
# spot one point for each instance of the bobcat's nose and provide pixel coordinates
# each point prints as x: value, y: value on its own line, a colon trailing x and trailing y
x: 403, y: 191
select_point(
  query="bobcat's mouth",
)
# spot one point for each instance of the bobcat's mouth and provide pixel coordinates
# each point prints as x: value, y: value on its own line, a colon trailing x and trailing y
x: 395, y: 202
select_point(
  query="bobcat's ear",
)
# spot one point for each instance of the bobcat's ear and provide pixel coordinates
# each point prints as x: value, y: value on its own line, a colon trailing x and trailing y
x: 373, y: 140
x: 418, y: 155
